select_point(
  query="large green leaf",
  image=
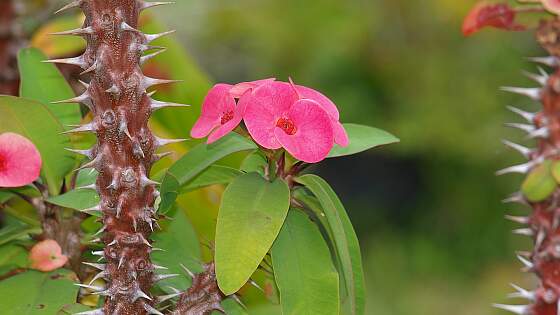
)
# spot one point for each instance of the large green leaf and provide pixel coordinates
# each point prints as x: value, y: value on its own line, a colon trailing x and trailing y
x: 304, y: 273
x: 38, y: 293
x: 213, y: 175
x: 346, y: 241
x: 78, y: 199
x: 43, y: 82
x: 196, y: 161
x: 34, y: 121
x: 251, y: 215
x: 180, y: 246
x: 362, y: 138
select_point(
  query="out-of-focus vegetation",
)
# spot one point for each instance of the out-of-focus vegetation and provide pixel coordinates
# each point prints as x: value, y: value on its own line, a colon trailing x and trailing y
x: 428, y: 210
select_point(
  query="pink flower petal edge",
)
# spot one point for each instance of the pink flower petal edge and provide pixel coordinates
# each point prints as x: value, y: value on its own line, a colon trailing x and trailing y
x: 239, y: 89
x: 47, y: 256
x: 264, y: 106
x: 20, y: 161
x: 219, y: 116
x: 552, y: 5
x: 311, y: 137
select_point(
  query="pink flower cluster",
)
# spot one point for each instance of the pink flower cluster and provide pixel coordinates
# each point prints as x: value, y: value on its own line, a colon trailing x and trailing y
x: 276, y: 114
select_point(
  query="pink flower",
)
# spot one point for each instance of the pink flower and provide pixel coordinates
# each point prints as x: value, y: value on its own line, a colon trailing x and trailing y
x: 219, y: 116
x: 340, y: 135
x: 276, y: 117
x: 47, y: 256
x: 20, y: 161
x: 552, y: 5
x: 239, y: 89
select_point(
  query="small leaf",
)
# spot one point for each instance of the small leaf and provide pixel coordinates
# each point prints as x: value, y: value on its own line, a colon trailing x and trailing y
x: 251, y: 215
x: 56, y: 46
x: 12, y: 256
x: 180, y: 246
x: 555, y: 168
x: 34, y: 121
x: 17, y: 231
x: 36, y: 293
x: 53, y: 86
x: 540, y: 183
x: 213, y: 175
x: 362, y: 138
x: 346, y: 241
x: 195, y: 162
x: 303, y: 269
x: 254, y: 162
x: 498, y: 15
x: 78, y: 199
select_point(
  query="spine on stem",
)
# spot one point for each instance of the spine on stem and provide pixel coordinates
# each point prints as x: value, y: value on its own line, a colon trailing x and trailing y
x: 118, y: 97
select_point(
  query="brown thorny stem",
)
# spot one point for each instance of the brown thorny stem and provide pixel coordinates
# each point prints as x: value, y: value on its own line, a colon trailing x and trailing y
x: 543, y: 224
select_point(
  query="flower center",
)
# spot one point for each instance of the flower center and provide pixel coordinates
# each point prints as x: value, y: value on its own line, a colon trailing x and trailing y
x: 227, y: 116
x: 3, y: 163
x: 287, y: 125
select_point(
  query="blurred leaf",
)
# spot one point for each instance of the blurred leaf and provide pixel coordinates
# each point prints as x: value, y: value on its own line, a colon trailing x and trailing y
x: 78, y: 199
x: 16, y: 231
x: 59, y: 46
x: 12, y: 256
x: 306, y: 278
x: 180, y: 246
x: 540, y: 183
x: 345, y: 238
x: 196, y: 161
x: 74, y: 309
x: 34, y: 121
x: 38, y: 293
x: 251, y: 215
x: 362, y: 138
x: 213, y: 175
x: 254, y: 162
x: 52, y: 86
x: 231, y: 307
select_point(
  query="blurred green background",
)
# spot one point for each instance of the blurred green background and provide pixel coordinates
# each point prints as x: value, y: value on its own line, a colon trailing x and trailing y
x: 428, y: 211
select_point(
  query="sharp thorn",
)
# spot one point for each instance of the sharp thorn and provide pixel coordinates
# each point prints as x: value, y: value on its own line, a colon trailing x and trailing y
x: 526, y: 152
x: 517, y: 309
x: 530, y: 117
x: 524, y: 231
x: 550, y: 61
x: 521, y: 220
x: 532, y: 93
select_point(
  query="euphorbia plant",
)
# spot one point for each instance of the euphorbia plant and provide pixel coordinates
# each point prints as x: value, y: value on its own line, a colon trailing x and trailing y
x: 277, y: 227
x: 540, y: 188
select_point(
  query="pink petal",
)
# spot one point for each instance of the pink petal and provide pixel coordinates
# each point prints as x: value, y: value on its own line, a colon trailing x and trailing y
x: 265, y: 106
x: 552, y: 5
x: 340, y: 135
x: 314, y: 136
x: 239, y: 89
x: 230, y: 125
x: 215, y: 104
x: 47, y: 256
x: 20, y: 161
x: 324, y: 102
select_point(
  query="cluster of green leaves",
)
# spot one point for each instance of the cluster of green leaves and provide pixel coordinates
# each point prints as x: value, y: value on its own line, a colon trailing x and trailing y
x: 542, y: 181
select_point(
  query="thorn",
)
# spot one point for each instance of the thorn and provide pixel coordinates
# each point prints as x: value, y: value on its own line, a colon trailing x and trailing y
x: 99, y: 275
x: 91, y: 287
x: 147, y: 57
x: 146, y: 5
x: 137, y: 150
x: 155, y: 105
x: 517, y: 309
x: 85, y: 85
x: 521, y: 220
x: 71, y: 5
x: 526, y: 152
x: 525, y: 232
x: 157, y: 278
x: 123, y: 129
x: 528, y: 265
x: 541, y: 78
x: 539, y: 133
x: 532, y: 93
x: 521, y: 293
x: 93, y: 312
x: 190, y: 273
x: 151, y: 310
x: 145, y: 241
x: 84, y: 128
x: 92, y: 187
x: 521, y: 169
x: 256, y: 285
x: 121, y: 261
x: 145, y: 181
x: 140, y: 294
x: 540, y: 238
x: 149, y: 82
x: 525, y: 127
x: 151, y: 37
x: 91, y: 164
x: 236, y: 298
x: 163, y: 298
x: 77, y: 32
x: 112, y: 243
x: 530, y: 117
x: 516, y: 197
x: 114, y: 90
x: 75, y: 61
x: 159, y: 142
x: 550, y: 61
x: 93, y: 209
x: 86, y: 153
x: 98, y: 253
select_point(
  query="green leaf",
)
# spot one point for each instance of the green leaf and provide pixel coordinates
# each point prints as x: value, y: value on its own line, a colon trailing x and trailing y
x: 78, y: 199
x: 231, y: 307
x: 251, y: 215
x: 180, y: 246
x: 37, y: 293
x: 34, y: 121
x: 362, y: 138
x: 540, y: 183
x: 56, y: 46
x: 346, y: 241
x: 303, y: 269
x: 196, y: 161
x: 52, y: 86
x: 254, y: 162
x: 12, y: 256
x: 17, y: 231
x: 213, y: 175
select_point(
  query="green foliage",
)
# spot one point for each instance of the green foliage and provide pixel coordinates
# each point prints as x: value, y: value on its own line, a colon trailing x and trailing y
x: 78, y: 199
x: 43, y: 82
x: 362, y: 138
x: 540, y: 183
x: 196, y: 161
x: 213, y: 175
x: 251, y: 215
x: 306, y: 278
x: 36, y: 293
x: 34, y: 121
x: 346, y: 242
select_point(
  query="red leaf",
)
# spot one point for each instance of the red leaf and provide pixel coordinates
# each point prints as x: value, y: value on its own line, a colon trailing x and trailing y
x: 499, y: 15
